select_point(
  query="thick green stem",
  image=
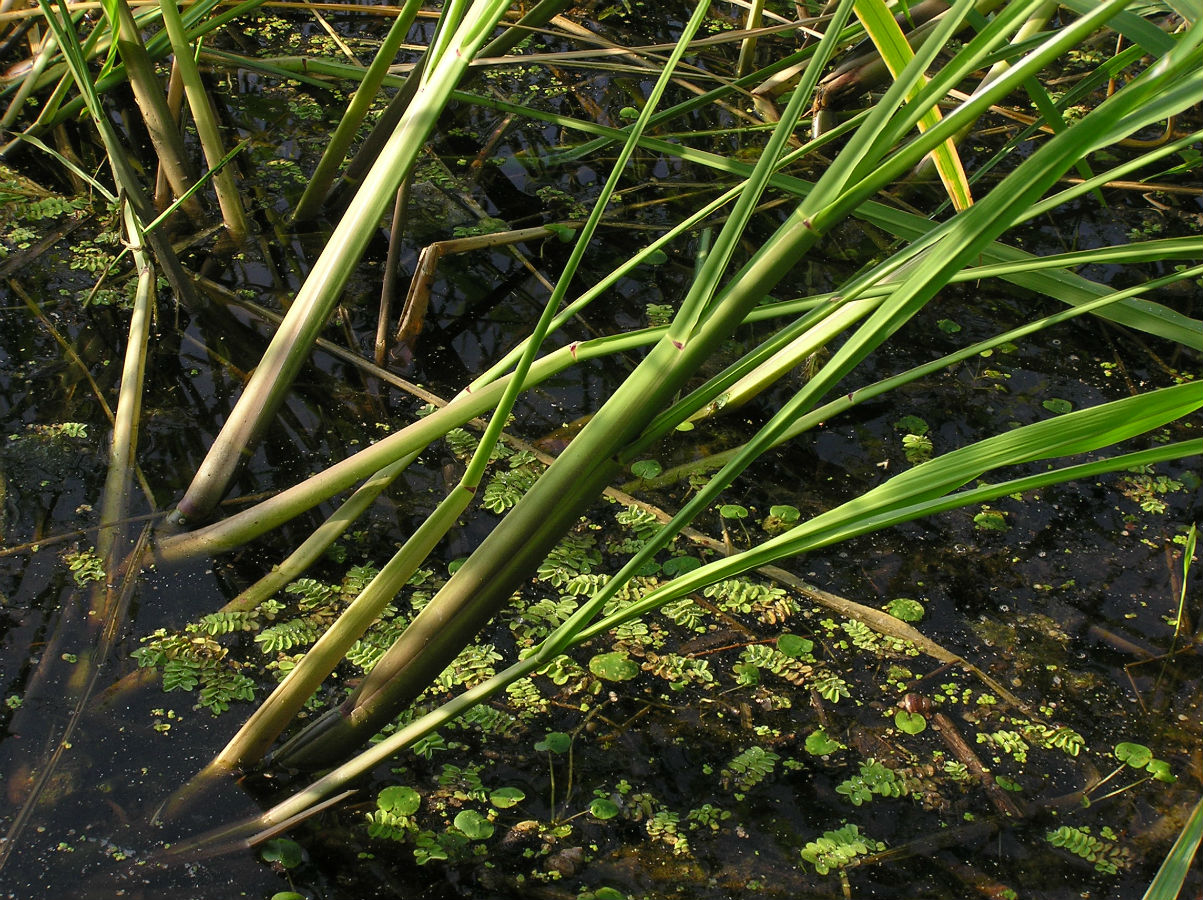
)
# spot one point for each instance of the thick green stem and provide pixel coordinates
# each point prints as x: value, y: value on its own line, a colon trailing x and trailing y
x: 169, y: 146
x: 206, y: 124
x: 307, y: 316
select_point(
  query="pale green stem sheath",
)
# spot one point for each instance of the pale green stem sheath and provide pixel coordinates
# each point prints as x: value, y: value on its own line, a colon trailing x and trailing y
x: 228, y: 198
x: 747, y: 47
x: 160, y: 125
x: 291, y: 344
x: 17, y: 105
x: 114, y: 506
x: 332, y: 157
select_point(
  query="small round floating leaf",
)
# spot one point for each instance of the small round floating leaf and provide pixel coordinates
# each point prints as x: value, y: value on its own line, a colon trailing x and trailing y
x: 820, y: 743
x: 1136, y: 755
x: 629, y: 112
x: 555, y: 742
x: 505, y: 797
x: 563, y: 232
x: 1160, y: 770
x: 399, y: 800
x: 656, y: 258
x: 909, y: 723
x: 785, y: 513
x: 1057, y: 405
x: 794, y: 646
x: 911, y: 425
x: 990, y: 520
x: 615, y: 666
x: 287, y: 895
x: 646, y: 468
x: 475, y: 826
x: 453, y: 566
x: 608, y: 893
x: 733, y: 511
x: 603, y: 809
x: 283, y: 851
x: 679, y: 565
x: 906, y: 609
x: 948, y: 326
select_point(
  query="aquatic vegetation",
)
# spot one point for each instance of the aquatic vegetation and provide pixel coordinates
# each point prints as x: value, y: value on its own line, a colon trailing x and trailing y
x: 793, y: 288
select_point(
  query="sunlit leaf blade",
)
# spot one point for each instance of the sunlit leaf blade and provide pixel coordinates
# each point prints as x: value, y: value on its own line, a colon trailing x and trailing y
x: 1167, y: 884
x: 896, y: 53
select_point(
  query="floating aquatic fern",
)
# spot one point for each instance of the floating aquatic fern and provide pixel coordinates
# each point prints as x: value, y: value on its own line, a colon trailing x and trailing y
x: 1103, y: 851
x: 839, y: 848
x: 872, y: 779
x: 749, y: 768
x: 576, y: 554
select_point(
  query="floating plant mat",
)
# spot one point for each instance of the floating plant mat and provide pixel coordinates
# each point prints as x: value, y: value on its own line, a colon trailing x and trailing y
x: 761, y: 737
x: 1006, y: 698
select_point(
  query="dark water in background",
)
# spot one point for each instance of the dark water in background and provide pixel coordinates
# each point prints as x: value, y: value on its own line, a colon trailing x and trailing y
x: 1068, y: 565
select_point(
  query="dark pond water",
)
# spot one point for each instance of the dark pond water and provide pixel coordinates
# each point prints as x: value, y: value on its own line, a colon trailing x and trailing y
x: 716, y: 787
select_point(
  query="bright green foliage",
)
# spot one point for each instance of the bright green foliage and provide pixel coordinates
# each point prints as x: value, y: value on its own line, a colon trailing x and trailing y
x: 555, y: 742
x: 603, y: 808
x: 749, y: 768
x: 819, y: 743
x: 576, y: 554
x: 1009, y: 742
x: 489, y: 720
x: 366, y: 651
x: 678, y: 670
x: 283, y: 636
x: 1138, y: 756
x: 564, y: 671
x: 990, y: 520
x: 506, y: 797
x: 85, y: 566
x: 1103, y: 851
x: 917, y: 447
x: 685, y: 613
x: 906, y: 609
x: 539, y: 618
x: 506, y: 488
x: 831, y: 687
x: 836, y: 849
x: 474, y: 826
x: 189, y: 661
x: 909, y: 723
x: 282, y: 852
x: 872, y: 779
x: 393, y: 817
x: 1058, y: 737
x: 662, y: 826
x: 707, y: 816
x: 463, y: 783
x: 739, y: 595
x: 613, y: 666
x: 473, y: 665
x: 638, y: 526
x: 762, y: 656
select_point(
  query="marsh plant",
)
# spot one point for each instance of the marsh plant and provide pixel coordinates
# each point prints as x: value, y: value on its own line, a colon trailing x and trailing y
x: 834, y: 148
